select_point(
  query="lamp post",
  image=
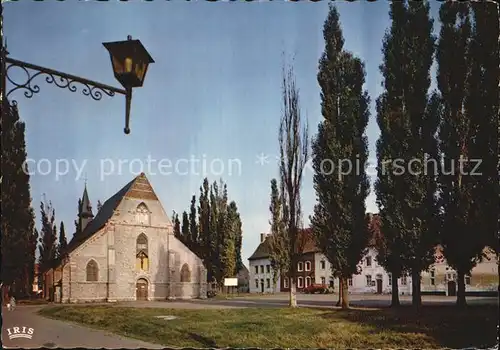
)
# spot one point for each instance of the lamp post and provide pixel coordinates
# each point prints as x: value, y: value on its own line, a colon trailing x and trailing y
x: 129, y: 58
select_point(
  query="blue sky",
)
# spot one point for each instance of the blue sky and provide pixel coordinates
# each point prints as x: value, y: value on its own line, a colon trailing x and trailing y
x: 213, y: 93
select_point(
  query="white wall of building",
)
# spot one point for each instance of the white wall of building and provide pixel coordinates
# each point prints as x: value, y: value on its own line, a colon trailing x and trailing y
x: 260, y: 272
x: 323, y: 271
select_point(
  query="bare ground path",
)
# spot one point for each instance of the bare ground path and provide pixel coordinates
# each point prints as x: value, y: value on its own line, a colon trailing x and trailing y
x: 51, y: 333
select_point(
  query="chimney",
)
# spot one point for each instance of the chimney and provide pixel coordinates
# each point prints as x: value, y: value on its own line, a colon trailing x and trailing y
x: 262, y: 236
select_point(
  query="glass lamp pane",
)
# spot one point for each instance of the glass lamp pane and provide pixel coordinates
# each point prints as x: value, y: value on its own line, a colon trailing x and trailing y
x: 128, y: 65
x: 140, y: 69
x: 117, y: 65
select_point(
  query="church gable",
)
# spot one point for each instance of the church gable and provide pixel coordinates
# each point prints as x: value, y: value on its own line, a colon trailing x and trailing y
x: 142, y: 189
x: 140, y: 206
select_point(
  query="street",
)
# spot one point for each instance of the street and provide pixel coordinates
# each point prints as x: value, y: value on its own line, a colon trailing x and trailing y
x: 329, y: 300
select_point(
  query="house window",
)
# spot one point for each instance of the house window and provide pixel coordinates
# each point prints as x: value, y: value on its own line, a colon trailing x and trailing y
x: 300, y: 266
x: 308, y: 266
x: 257, y: 284
x: 368, y: 280
x: 92, y: 271
x: 268, y: 283
x: 467, y: 279
x: 331, y: 284
x: 433, y: 278
x: 142, y: 214
x: 300, y: 283
x: 261, y: 268
x: 368, y: 261
x: 285, y: 282
x: 268, y: 268
x: 142, y: 261
x: 322, y: 264
x: 256, y: 270
x: 185, y: 273
x: 404, y: 281
x: 323, y: 280
x: 308, y: 281
x: 349, y: 282
x: 390, y: 278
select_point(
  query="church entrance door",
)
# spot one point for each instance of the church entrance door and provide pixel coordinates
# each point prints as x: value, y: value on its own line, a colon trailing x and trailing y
x: 141, y: 289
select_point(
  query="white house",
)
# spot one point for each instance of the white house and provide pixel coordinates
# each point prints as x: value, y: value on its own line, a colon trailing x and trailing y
x: 260, y: 270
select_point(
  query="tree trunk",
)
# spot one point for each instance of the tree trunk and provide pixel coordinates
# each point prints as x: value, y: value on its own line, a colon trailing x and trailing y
x: 345, y: 294
x: 339, y: 302
x: 416, y: 298
x: 461, y: 302
x: 293, y: 293
x: 395, y: 291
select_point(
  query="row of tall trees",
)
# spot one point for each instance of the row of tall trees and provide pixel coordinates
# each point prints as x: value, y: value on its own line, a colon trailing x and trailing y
x: 454, y: 128
x: 52, y: 247
x: 339, y: 221
x: 454, y: 201
x: 213, y: 230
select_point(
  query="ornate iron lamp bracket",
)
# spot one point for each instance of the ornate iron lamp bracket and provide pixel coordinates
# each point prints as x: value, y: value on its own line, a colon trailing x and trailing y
x: 65, y: 81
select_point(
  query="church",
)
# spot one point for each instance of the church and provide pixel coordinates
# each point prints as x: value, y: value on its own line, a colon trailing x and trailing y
x: 126, y: 252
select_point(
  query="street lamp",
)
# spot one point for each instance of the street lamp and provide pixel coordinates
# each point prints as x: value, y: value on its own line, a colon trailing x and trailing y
x: 130, y: 61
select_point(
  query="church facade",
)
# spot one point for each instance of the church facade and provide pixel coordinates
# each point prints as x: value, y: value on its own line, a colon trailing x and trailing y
x: 127, y: 252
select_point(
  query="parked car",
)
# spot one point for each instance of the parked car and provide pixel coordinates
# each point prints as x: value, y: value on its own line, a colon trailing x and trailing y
x: 316, y: 288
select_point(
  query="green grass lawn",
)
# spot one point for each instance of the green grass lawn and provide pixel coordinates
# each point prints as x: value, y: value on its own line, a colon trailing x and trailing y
x: 431, y: 327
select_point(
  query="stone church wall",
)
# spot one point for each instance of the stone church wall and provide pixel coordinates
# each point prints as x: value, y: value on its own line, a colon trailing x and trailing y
x: 115, y: 250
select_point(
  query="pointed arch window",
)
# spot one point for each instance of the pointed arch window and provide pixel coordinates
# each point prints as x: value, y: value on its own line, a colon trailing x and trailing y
x: 143, y: 214
x: 185, y: 273
x: 142, y: 256
x: 92, y: 271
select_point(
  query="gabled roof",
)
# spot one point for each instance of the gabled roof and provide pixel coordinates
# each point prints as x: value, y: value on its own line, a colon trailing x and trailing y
x: 263, y: 251
x: 133, y: 189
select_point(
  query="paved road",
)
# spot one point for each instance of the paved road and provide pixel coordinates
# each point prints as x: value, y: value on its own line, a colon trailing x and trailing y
x: 319, y: 300
x: 51, y: 333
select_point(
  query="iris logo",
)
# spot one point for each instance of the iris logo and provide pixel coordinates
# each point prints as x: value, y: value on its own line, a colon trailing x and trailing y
x: 20, y: 332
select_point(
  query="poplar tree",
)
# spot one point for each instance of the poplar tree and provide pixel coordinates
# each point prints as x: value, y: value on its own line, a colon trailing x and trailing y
x: 185, y: 230
x: 408, y: 119
x: 277, y: 240
x: 235, y: 228
x: 340, y: 152
x: 63, y: 244
x: 78, y: 227
x: 485, y: 87
x: 48, y: 239
x: 204, y: 227
x: 193, y: 227
x: 468, y: 84
x: 294, y: 153
x: 177, y: 226
x: 17, y: 224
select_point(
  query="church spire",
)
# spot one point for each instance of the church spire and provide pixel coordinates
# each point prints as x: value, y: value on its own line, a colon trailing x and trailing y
x: 85, y: 214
